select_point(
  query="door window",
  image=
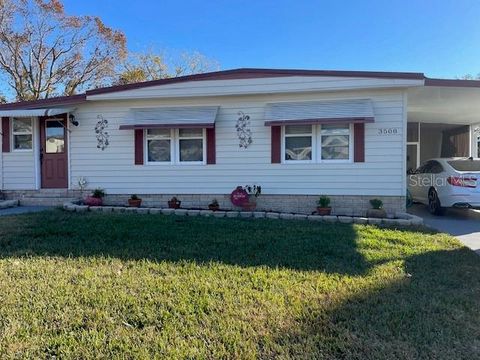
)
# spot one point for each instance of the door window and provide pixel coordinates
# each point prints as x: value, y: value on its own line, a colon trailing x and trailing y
x: 54, y: 137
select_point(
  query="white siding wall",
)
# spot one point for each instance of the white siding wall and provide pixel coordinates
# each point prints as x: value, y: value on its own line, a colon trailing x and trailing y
x: 114, y: 169
x: 18, y: 167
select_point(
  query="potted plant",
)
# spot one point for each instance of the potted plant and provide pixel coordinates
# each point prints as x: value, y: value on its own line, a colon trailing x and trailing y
x: 134, y: 201
x: 253, y: 191
x: 174, y: 203
x: 214, y: 205
x: 96, y: 198
x: 377, y: 210
x: 323, y: 206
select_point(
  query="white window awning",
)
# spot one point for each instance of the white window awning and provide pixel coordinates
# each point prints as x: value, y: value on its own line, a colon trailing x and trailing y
x: 172, y: 117
x: 319, y: 112
x: 35, y: 112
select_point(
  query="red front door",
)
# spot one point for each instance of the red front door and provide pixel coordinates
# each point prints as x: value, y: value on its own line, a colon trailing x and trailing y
x: 53, y: 152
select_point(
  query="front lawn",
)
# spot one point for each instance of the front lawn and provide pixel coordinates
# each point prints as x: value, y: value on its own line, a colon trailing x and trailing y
x: 142, y: 286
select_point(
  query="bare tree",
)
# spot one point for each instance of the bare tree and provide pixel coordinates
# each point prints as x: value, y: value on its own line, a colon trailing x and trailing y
x: 151, y: 65
x: 44, y: 52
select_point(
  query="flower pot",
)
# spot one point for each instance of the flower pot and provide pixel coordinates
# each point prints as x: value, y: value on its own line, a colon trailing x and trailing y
x: 249, y: 206
x: 376, y: 213
x: 134, y: 202
x: 324, y: 210
x: 93, y: 201
x: 174, y: 204
x: 213, y: 207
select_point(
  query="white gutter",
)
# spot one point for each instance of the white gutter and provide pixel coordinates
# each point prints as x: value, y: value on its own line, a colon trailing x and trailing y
x: 35, y: 112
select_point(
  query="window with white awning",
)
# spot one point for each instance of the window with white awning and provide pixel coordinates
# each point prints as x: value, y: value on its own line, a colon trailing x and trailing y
x: 319, y: 131
x: 173, y: 135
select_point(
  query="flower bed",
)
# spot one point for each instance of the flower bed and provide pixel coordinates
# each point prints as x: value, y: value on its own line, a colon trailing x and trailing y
x: 401, y: 219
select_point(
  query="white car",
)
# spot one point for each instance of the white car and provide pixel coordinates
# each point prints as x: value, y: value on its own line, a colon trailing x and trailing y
x: 450, y: 182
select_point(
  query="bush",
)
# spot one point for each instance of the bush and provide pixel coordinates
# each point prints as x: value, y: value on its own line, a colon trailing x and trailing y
x: 324, y: 201
x: 98, y: 193
x: 377, y: 204
x: 134, y: 197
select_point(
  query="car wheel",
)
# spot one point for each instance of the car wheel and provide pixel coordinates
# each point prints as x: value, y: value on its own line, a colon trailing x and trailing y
x: 434, y: 205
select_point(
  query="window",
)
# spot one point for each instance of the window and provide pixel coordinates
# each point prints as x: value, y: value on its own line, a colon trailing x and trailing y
x: 331, y: 142
x: 182, y: 146
x: 298, y: 143
x: 159, y: 145
x: 22, y: 133
x: 54, y: 137
x: 190, y: 145
x: 335, y: 142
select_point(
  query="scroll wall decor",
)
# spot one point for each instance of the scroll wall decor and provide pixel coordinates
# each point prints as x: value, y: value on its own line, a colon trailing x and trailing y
x: 243, y: 131
x: 101, y: 133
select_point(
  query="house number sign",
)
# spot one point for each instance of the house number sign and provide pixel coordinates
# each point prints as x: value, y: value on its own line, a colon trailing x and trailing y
x: 388, y: 131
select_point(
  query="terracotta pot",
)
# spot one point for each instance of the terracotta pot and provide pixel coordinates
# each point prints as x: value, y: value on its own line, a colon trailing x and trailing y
x: 93, y: 201
x: 376, y: 213
x: 249, y: 206
x: 213, y: 207
x: 174, y: 204
x: 324, y: 210
x: 134, y: 202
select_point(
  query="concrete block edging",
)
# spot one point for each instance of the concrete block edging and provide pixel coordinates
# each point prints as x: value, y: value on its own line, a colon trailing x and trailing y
x: 400, y: 219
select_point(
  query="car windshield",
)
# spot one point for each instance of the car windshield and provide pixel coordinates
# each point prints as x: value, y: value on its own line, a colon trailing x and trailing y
x: 465, y: 165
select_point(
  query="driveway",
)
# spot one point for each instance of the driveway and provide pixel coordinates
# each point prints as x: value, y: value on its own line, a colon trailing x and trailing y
x: 463, y: 224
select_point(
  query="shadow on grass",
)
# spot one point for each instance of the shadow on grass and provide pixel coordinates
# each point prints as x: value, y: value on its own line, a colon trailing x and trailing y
x: 430, y: 313
x: 244, y: 242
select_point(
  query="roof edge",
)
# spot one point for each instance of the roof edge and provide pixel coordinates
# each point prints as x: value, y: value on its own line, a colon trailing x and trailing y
x: 241, y: 73
x: 43, y: 103
x: 452, y: 83
x: 249, y: 73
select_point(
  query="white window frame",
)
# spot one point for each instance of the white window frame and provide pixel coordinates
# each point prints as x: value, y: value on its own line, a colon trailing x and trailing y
x: 172, y: 140
x: 317, y: 147
x: 175, y: 149
x: 314, y: 146
x: 350, y: 147
x: 13, y: 134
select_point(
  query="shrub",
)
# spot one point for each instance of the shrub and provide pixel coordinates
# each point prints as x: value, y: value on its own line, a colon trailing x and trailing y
x: 323, y: 201
x: 134, y: 197
x: 376, y: 204
x: 214, y: 203
x: 98, y: 193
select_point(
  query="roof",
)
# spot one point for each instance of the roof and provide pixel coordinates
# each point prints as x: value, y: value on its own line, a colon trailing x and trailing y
x: 242, y: 73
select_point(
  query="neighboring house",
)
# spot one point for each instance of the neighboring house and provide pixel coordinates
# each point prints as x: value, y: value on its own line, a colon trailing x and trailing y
x: 298, y: 133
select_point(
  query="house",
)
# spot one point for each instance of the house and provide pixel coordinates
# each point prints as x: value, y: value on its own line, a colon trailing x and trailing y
x: 298, y: 133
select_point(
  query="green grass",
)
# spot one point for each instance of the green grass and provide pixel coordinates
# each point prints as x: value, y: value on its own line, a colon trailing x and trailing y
x: 143, y: 286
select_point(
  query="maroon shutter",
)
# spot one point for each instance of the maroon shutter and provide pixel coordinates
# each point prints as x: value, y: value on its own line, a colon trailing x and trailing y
x: 276, y: 144
x: 211, y: 151
x: 5, y: 134
x: 359, y: 142
x: 138, y: 146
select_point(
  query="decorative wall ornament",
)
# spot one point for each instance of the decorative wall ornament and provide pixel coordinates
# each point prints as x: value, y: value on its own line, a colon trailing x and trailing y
x: 102, y: 135
x: 243, y: 132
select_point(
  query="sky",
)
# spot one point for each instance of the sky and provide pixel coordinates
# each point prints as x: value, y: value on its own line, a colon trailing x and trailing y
x: 438, y: 37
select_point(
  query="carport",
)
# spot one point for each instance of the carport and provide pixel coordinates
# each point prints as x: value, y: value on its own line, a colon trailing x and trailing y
x: 443, y: 120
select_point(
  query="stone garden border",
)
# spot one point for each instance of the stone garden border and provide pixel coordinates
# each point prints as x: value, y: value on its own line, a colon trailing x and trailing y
x: 402, y: 219
x: 4, y: 204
